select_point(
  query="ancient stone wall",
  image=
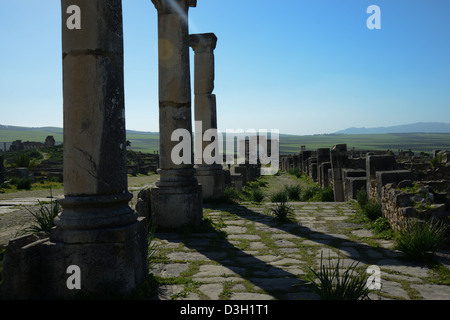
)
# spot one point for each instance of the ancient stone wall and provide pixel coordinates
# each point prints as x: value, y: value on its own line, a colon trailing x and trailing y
x: 398, y: 205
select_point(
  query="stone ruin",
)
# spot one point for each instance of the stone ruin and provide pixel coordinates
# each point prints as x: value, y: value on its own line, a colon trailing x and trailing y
x: 383, y: 175
x: 2, y: 169
x: 97, y: 232
x: 18, y: 145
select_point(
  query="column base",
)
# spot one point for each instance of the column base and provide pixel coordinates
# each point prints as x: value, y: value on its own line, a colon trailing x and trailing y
x: 86, y: 219
x: 212, y: 179
x: 39, y: 269
x: 173, y: 206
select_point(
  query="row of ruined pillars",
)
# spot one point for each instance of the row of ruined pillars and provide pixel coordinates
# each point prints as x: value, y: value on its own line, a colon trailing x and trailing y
x: 178, y: 195
x: 97, y: 230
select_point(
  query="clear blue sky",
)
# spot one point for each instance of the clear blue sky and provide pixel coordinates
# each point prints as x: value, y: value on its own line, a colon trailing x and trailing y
x: 303, y: 67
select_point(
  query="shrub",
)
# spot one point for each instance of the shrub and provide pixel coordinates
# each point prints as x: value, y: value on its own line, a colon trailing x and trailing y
x: 293, y: 191
x: 22, y: 183
x: 437, y: 160
x: 279, y: 196
x: 382, y: 228
x: 330, y: 284
x: 309, y: 193
x: 282, y: 210
x: 295, y: 172
x: 372, y: 209
x: 418, y: 239
x: 22, y: 160
x: 324, y: 195
x: 257, y: 195
x: 44, y: 217
x: 252, y: 190
x: 361, y: 197
x: 231, y: 194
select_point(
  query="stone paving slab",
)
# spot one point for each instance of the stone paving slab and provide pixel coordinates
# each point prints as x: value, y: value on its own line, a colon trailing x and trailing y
x: 262, y: 258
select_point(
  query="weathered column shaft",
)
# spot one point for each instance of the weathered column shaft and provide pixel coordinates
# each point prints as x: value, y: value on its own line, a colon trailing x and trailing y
x: 97, y: 230
x: 205, y: 102
x: 174, y: 78
x: 94, y: 119
x: 97, y: 236
x: 210, y: 175
x: 176, y: 199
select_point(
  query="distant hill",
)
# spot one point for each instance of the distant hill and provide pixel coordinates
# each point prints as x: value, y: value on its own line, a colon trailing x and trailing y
x: 419, y: 127
x: 424, y: 137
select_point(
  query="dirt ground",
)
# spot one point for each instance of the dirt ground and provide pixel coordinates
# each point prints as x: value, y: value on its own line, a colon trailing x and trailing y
x: 13, y: 220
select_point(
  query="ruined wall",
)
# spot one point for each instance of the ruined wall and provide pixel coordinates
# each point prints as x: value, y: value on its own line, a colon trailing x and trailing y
x: 399, y: 205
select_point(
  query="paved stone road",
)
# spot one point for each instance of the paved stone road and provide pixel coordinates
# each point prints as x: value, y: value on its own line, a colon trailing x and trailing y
x: 261, y: 258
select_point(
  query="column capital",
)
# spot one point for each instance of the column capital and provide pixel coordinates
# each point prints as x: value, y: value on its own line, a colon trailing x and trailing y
x: 203, y: 42
x: 169, y: 6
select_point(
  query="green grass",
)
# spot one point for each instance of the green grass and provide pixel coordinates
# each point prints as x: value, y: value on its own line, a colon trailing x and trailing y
x: 149, y: 142
x: 417, y: 142
x: 419, y: 239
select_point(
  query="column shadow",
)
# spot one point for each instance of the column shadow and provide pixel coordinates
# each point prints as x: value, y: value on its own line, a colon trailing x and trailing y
x: 274, y: 279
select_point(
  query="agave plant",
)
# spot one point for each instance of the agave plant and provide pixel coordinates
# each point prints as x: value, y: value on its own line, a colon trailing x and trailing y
x: 282, y: 210
x: 331, y: 283
x: 418, y: 239
x: 44, y: 217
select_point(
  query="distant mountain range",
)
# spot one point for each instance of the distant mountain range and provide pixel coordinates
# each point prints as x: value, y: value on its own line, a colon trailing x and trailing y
x: 419, y: 127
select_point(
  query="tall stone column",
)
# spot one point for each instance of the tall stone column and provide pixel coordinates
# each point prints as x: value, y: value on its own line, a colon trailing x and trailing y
x: 99, y: 246
x: 97, y: 230
x: 210, y: 175
x: 177, y: 198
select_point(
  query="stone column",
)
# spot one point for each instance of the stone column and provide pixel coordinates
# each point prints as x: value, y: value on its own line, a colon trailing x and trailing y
x: 339, y: 159
x: 209, y: 175
x: 97, y: 230
x: 2, y: 169
x: 177, y: 198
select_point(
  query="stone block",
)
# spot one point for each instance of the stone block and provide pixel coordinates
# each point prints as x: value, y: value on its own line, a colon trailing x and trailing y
x: 339, y: 160
x: 38, y: 268
x: 393, y: 176
x: 176, y: 206
x: 313, y: 171
x: 243, y: 170
x: 324, y: 179
x: 376, y: 163
x: 143, y: 203
x: 348, y: 173
x: 2, y: 170
x: 237, y: 180
x: 352, y: 185
x: 212, y: 179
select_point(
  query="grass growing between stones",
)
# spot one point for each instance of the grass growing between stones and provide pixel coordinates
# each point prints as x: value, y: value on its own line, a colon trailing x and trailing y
x: 439, y: 275
x: 255, y: 231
